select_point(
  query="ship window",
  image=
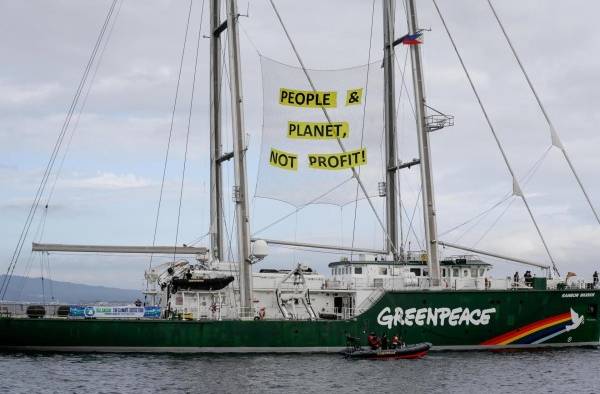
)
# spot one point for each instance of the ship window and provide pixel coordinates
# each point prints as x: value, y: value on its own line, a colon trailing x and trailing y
x: 358, y: 270
x: 466, y: 273
x: 481, y: 271
x: 383, y: 271
x: 474, y: 272
x: 455, y: 272
x: 416, y: 271
x: 444, y: 272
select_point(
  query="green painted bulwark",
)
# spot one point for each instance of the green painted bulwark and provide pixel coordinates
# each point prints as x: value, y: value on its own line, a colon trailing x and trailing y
x: 471, y: 319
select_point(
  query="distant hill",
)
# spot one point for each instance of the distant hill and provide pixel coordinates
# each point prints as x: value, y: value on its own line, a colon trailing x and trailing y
x: 30, y: 290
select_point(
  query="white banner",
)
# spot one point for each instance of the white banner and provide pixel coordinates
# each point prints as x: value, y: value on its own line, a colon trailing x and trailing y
x: 302, y: 160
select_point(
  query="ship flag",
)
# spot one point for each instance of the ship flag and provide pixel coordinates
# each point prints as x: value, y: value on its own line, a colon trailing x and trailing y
x: 412, y: 39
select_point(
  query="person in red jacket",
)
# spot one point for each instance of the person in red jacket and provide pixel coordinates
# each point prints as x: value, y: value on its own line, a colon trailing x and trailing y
x: 373, y: 341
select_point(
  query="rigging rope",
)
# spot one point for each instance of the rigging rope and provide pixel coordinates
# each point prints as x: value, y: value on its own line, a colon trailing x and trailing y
x: 42, y: 278
x: 553, y: 133
x: 527, y: 178
x: 84, y: 102
x: 339, y: 141
x: 516, y: 187
x: 82, y: 107
x: 162, y: 183
x: 410, y: 224
x: 197, y: 240
x: 50, y: 281
x: 298, y: 209
x: 226, y: 112
x: 398, y: 172
x: 55, y: 151
x: 187, y: 136
x: 364, y: 115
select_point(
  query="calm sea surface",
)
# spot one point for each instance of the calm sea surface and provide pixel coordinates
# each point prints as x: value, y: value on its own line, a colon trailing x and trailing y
x: 550, y: 371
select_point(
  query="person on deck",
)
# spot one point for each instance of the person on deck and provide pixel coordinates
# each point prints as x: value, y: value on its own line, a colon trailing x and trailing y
x: 595, y: 276
x: 395, y: 342
x: 516, y: 277
x: 528, y: 278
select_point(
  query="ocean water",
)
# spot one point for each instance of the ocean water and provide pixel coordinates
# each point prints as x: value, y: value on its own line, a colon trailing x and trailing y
x: 547, y: 371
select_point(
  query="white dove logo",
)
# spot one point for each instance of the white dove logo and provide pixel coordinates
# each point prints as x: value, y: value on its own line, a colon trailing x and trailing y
x: 576, y: 319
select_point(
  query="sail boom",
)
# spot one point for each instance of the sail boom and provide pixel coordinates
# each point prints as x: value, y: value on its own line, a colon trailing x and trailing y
x: 71, y: 248
x: 496, y: 255
x: 321, y: 246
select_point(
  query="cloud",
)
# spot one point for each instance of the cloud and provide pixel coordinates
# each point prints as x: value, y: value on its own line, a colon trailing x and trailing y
x: 138, y: 78
x: 108, y: 181
x: 12, y: 94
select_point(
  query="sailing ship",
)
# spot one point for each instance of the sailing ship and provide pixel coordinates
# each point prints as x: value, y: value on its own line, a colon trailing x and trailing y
x: 210, y: 305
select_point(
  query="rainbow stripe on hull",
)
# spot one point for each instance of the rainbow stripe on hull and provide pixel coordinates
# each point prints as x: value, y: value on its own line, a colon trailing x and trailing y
x: 539, y: 331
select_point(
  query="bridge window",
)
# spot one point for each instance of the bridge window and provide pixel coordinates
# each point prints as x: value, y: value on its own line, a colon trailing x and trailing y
x: 455, y: 272
x: 416, y: 271
x: 358, y: 270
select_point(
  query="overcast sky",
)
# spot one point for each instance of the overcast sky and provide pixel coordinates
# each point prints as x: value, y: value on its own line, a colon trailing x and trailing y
x: 108, y: 187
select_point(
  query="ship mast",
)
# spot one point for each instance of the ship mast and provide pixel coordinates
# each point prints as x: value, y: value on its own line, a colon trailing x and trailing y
x: 424, y: 150
x: 240, y: 192
x: 216, y: 187
x: 390, y: 130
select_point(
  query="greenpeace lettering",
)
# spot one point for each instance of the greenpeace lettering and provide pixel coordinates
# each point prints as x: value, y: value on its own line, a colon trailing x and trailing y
x: 317, y: 130
x: 433, y: 317
x: 284, y: 160
x: 337, y: 161
x: 307, y: 98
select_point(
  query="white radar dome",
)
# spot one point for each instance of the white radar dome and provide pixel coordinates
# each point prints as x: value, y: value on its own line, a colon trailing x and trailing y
x: 260, y: 249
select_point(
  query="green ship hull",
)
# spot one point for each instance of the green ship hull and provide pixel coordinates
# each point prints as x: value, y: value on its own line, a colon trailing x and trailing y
x: 450, y: 320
